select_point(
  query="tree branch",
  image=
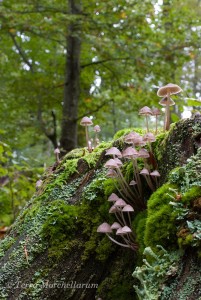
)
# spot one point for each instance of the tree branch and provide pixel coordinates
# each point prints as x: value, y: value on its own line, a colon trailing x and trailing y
x: 104, y: 61
x: 21, y: 52
x: 92, y: 111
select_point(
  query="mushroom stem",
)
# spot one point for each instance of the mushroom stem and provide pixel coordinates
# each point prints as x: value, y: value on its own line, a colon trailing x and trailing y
x: 147, y: 123
x: 167, y: 112
x: 120, y: 244
x: 156, y: 130
x: 87, y: 138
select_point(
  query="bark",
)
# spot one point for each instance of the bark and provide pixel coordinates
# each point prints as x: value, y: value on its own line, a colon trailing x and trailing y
x: 68, y: 139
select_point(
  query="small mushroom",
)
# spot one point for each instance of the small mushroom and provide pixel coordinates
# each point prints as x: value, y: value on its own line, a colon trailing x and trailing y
x: 113, y: 198
x: 97, y: 129
x: 114, y: 151
x: 57, y: 152
x: 87, y: 122
x: 146, y: 111
x: 115, y: 225
x: 165, y: 92
x: 104, y: 228
x: 156, y: 112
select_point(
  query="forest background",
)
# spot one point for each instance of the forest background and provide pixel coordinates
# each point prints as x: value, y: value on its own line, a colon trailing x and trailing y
x: 62, y: 60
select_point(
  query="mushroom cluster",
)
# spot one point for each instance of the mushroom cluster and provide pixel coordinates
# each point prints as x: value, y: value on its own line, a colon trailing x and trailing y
x: 132, y: 194
x: 146, y: 111
x: 122, y: 212
x: 86, y: 122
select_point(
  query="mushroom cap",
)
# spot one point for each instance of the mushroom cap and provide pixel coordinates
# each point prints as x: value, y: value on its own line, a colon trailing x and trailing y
x: 56, y: 151
x: 149, y: 137
x: 156, y: 112
x: 111, y: 163
x: 113, y: 151
x: 133, y: 182
x: 171, y: 88
x: 126, y: 229
x: 118, y: 162
x: 145, y: 111
x: 129, y: 138
x: 144, y: 171
x: 104, y: 228
x: 97, y: 128
x: 130, y: 152
x: 120, y: 203
x: 111, y: 173
x: 86, y: 121
x: 166, y: 101
x: 39, y: 183
x: 113, y: 209
x: 115, y: 225
x: 119, y: 231
x: 155, y: 173
x: 113, y: 197
x: 143, y: 153
x: 128, y: 208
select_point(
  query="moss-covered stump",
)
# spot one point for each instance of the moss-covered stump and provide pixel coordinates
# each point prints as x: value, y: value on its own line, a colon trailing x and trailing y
x: 53, y: 250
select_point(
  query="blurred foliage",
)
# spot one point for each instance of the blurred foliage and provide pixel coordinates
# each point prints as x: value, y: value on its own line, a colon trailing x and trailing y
x: 17, y: 184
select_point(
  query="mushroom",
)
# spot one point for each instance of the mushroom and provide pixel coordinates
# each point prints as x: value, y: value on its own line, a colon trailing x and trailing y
x: 146, y: 174
x: 113, y: 198
x: 97, y: 129
x: 57, y: 152
x: 128, y: 208
x: 115, y: 225
x: 156, y: 112
x: 87, y: 122
x: 145, y: 111
x: 155, y: 174
x: 106, y: 228
x: 114, y: 151
x: 166, y: 91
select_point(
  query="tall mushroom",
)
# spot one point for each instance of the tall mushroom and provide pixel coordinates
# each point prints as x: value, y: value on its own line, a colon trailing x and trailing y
x: 87, y: 122
x: 146, y: 111
x: 156, y: 112
x: 97, y: 129
x: 166, y: 91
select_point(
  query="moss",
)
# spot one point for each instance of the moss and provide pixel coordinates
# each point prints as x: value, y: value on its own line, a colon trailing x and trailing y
x: 191, y: 195
x: 160, y: 226
x: 92, y: 158
x: 186, y: 240
x: 60, y: 226
x: 118, y: 284
x: 139, y: 225
x: 123, y: 132
x: 110, y: 186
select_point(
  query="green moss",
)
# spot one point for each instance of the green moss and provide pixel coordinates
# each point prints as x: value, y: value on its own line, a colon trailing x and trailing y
x: 123, y: 132
x: 185, y: 241
x: 139, y: 225
x: 60, y: 226
x: 160, y: 226
x: 110, y: 186
x: 92, y: 158
x: 191, y: 195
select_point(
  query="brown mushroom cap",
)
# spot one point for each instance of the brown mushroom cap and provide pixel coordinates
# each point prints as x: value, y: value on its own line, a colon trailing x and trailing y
x: 156, y: 112
x: 120, y: 203
x: 97, y: 128
x: 128, y: 208
x: 113, y: 197
x: 111, y: 163
x: 130, y: 152
x: 104, y: 228
x: 149, y: 137
x: 171, y: 88
x: 86, y: 121
x: 144, y: 171
x: 166, y: 101
x: 113, y: 209
x: 126, y: 229
x: 143, y: 153
x: 145, y: 111
x: 113, y: 151
x: 155, y: 173
x: 115, y: 225
x: 133, y: 182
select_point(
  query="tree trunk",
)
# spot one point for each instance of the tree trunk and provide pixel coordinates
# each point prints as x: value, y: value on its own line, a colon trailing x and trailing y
x: 68, y: 139
x: 51, y: 253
